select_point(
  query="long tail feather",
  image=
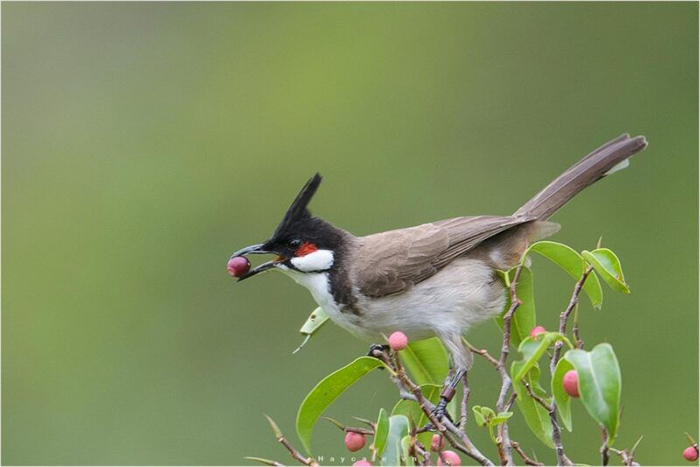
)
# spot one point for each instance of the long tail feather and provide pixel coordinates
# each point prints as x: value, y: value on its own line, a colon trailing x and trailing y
x: 607, y: 159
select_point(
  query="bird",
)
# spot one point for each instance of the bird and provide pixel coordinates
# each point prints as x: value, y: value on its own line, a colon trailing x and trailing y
x: 435, y: 279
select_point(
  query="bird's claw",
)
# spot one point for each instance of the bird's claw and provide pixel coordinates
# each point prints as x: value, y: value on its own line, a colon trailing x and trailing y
x: 375, y: 350
x: 438, y: 413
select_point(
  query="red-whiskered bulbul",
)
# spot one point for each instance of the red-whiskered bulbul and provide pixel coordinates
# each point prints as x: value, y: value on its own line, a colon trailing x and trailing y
x: 433, y: 279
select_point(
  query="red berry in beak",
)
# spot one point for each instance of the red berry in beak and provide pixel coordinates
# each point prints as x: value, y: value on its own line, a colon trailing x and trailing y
x: 570, y: 383
x: 238, y: 266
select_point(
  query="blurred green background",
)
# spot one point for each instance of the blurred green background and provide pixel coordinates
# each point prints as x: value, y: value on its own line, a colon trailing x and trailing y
x: 144, y: 143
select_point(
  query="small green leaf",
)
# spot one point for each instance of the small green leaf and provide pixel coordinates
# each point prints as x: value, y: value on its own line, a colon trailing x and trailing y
x: 533, y: 349
x: 405, y: 449
x: 382, y: 432
x: 273, y: 425
x: 608, y: 266
x: 600, y: 384
x: 488, y: 413
x: 327, y: 391
x: 536, y: 417
x: 571, y: 262
x: 500, y: 418
x: 313, y: 323
x: 478, y: 416
x: 560, y: 396
x: 427, y: 361
x: 525, y: 317
x: 398, y: 428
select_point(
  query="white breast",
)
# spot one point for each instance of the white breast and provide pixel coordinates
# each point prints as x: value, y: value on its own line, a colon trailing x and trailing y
x: 318, y: 284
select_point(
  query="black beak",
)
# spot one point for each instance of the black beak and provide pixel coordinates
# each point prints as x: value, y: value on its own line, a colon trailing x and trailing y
x: 256, y: 250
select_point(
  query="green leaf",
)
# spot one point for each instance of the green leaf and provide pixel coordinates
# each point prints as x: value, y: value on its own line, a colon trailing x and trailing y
x: 398, y: 428
x: 500, y: 418
x: 608, y: 266
x: 525, y: 317
x: 478, y: 416
x: 405, y: 448
x: 327, y: 391
x: 600, y: 384
x: 560, y: 396
x: 313, y: 323
x: 427, y: 361
x: 382, y: 432
x: 571, y: 262
x: 533, y: 349
x: 536, y: 417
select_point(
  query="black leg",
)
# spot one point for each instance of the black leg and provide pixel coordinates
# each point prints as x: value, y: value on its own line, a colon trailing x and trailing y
x: 446, y: 396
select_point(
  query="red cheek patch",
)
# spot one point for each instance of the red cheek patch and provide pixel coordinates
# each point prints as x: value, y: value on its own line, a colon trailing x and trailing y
x: 306, y: 248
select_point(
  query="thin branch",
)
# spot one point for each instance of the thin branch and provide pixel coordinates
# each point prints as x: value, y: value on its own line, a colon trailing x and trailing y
x: 421, y: 454
x: 510, y: 401
x: 503, y: 437
x: 564, y: 316
x: 605, y: 449
x: 444, y: 426
x: 537, y: 398
x: 627, y: 457
x: 562, y: 459
x: 464, y: 407
x: 526, y: 459
x: 292, y: 451
x: 484, y: 353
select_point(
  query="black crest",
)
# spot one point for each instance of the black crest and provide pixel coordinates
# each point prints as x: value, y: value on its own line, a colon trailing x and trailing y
x: 299, y: 212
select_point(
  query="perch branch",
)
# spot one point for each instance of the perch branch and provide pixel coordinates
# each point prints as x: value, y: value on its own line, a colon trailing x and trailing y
x: 526, y: 459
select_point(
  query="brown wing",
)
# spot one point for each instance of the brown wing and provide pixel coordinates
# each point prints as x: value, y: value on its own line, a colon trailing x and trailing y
x: 392, y: 262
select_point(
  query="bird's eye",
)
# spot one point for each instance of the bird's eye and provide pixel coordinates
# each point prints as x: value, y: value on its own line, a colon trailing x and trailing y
x: 294, y: 244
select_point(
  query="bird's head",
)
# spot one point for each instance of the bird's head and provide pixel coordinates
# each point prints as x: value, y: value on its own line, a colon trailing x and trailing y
x: 302, y: 243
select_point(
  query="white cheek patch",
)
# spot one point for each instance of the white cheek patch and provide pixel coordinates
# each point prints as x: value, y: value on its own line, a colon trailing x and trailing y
x: 319, y: 260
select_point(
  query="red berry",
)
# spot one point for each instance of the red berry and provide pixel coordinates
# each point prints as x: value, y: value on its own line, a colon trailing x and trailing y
x: 570, y: 383
x: 537, y: 330
x: 398, y: 341
x: 451, y: 458
x: 437, y: 443
x: 354, y: 441
x: 362, y: 463
x: 238, y: 266
x: 690, y: 453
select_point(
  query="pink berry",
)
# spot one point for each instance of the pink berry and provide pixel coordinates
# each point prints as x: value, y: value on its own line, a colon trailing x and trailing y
x: 238, y: 266
x: 437, y: 443
x: 398, y: 341
x: 451, y: 458
x: 537, y: 330
x: 570, y: 383
x: 354, y: 441
x: 362, y: 463
x: 690, y: 453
